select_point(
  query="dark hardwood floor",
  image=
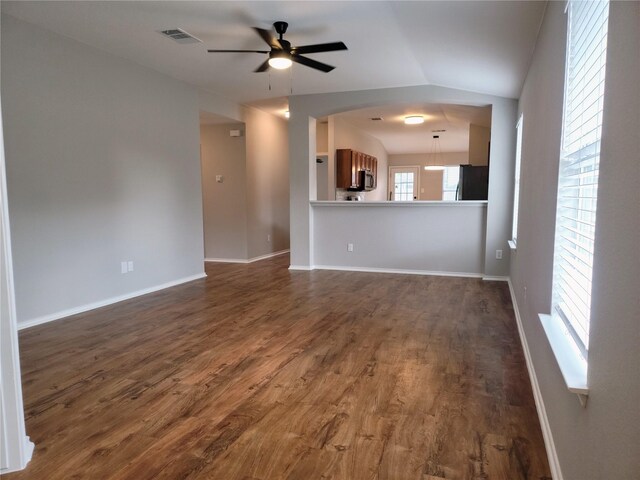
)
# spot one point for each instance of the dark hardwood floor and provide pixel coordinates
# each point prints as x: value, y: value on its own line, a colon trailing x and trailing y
x: 262, y: 373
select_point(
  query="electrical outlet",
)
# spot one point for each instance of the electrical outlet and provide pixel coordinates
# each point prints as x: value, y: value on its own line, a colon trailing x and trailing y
x: 130, y: 266
x: 268, y: 237
x: 349, y: 247
x: 219, y: 178
x: 499, y: 254
x: 123, y: 267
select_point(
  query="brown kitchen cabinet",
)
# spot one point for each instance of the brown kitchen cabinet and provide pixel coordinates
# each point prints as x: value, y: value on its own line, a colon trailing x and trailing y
x: 349, y: 163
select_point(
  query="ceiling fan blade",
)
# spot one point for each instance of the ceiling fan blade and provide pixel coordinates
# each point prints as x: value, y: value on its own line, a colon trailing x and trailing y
x: 263, y: 67
x: 311, y: 63
x: 321, y: 47
x: 268, y: 37
x: 238, y: 51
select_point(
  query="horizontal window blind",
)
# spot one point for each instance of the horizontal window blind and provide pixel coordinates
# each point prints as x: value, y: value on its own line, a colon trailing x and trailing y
x: 516, y: 186
x: 579, y: 166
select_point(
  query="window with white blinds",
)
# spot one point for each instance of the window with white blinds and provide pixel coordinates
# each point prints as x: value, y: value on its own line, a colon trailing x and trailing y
x: 579, y: 162
x: 516, y: 183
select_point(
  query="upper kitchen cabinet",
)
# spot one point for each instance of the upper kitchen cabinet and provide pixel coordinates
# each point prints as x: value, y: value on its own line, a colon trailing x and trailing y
x: 350, y: 164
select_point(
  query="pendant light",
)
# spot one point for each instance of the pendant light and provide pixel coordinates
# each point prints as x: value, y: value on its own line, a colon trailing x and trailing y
x: 434, y: 160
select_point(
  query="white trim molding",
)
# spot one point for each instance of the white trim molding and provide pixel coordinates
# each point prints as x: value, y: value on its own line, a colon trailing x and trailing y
x: 396, y: 271
x: 490, y: 278
x: 552, y: 455
x: 247, y: 260
x: 104, y: 303
x: 26, y: 454
x: 301, y: 268
x: 15, y: 447
x: 573, y: 365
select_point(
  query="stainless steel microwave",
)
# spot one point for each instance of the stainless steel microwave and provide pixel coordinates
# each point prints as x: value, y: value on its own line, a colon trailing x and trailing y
x: 366, y: 180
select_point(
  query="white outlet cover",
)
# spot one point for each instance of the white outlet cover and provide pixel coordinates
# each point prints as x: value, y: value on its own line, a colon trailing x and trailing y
x: 123, y: 267
x: 349, y: 247
x: 130, y: 266
x: 219, y: 178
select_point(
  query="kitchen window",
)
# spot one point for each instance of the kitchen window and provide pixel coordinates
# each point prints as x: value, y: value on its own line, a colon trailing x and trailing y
x: 450, y: 179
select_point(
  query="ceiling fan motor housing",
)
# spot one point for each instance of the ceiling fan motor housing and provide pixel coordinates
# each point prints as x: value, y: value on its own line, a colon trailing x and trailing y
x: 282, y: 54
x: 280, y: 28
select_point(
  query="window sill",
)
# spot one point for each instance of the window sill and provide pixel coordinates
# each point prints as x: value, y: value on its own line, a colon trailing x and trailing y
x: 572, y: 365
x: 512, y: 244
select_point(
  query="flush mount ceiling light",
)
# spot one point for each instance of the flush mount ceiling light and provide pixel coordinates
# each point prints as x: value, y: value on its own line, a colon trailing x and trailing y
x: 280, y: 60
x: 413, y: 120
x: 434, y: 161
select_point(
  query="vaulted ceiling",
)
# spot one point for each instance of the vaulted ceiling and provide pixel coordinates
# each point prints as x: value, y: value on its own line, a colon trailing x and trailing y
x: 478, y: 45
x: 482, y: 46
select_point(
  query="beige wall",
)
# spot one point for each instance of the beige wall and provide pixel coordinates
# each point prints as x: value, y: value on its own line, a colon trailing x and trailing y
x: 267, y: 183
x: 322, y: 169
x: 224, y: 204
x: 247, y: 215
x: 347, y: 136
x: 479, y: 138
x: 102, y: 167
x: 430, y: 181
x: 601, y: 441
x: 322, y: 137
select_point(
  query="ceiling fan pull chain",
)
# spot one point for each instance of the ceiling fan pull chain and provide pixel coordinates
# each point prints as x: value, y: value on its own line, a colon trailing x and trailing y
x: 291, y: 80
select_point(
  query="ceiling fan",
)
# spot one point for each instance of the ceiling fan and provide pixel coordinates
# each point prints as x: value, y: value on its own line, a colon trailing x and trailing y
x: 282, y: 53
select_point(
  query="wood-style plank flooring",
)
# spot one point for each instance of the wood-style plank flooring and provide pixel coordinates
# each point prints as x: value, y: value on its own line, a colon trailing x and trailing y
x: 261, y: 373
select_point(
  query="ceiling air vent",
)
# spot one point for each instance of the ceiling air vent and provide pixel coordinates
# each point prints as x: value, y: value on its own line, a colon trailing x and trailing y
x: 180, y: 36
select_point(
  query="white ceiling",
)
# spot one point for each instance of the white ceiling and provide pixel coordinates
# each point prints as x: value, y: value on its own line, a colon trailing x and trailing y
x: 482, y: 46
x: 399, y: 138
x: 478, y: 45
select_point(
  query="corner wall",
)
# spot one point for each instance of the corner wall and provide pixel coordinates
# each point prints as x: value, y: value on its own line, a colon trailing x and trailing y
x: 601, y: 441
x: 267, y: 183
x: 224, y: 203
x: 102, y: 167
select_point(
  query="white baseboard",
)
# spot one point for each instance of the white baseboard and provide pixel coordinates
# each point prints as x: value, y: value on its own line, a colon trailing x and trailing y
x: 491, y: 278
x: 552, y: 455
x: 103, y: 303
x: 395, y: 270
x: 304, y: 268
x: 245, y: 260
x: 20, y: 464
x: 227, y: 260
x: 28, y: 450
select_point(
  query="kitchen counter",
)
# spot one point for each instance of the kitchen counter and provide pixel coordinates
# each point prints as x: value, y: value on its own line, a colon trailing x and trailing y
x: 417, y: 203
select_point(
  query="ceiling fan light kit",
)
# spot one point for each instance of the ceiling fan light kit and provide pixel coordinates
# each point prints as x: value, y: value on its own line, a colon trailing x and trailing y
x: 413, y: 120
x: 280, y: 60
x: 282, y: 54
